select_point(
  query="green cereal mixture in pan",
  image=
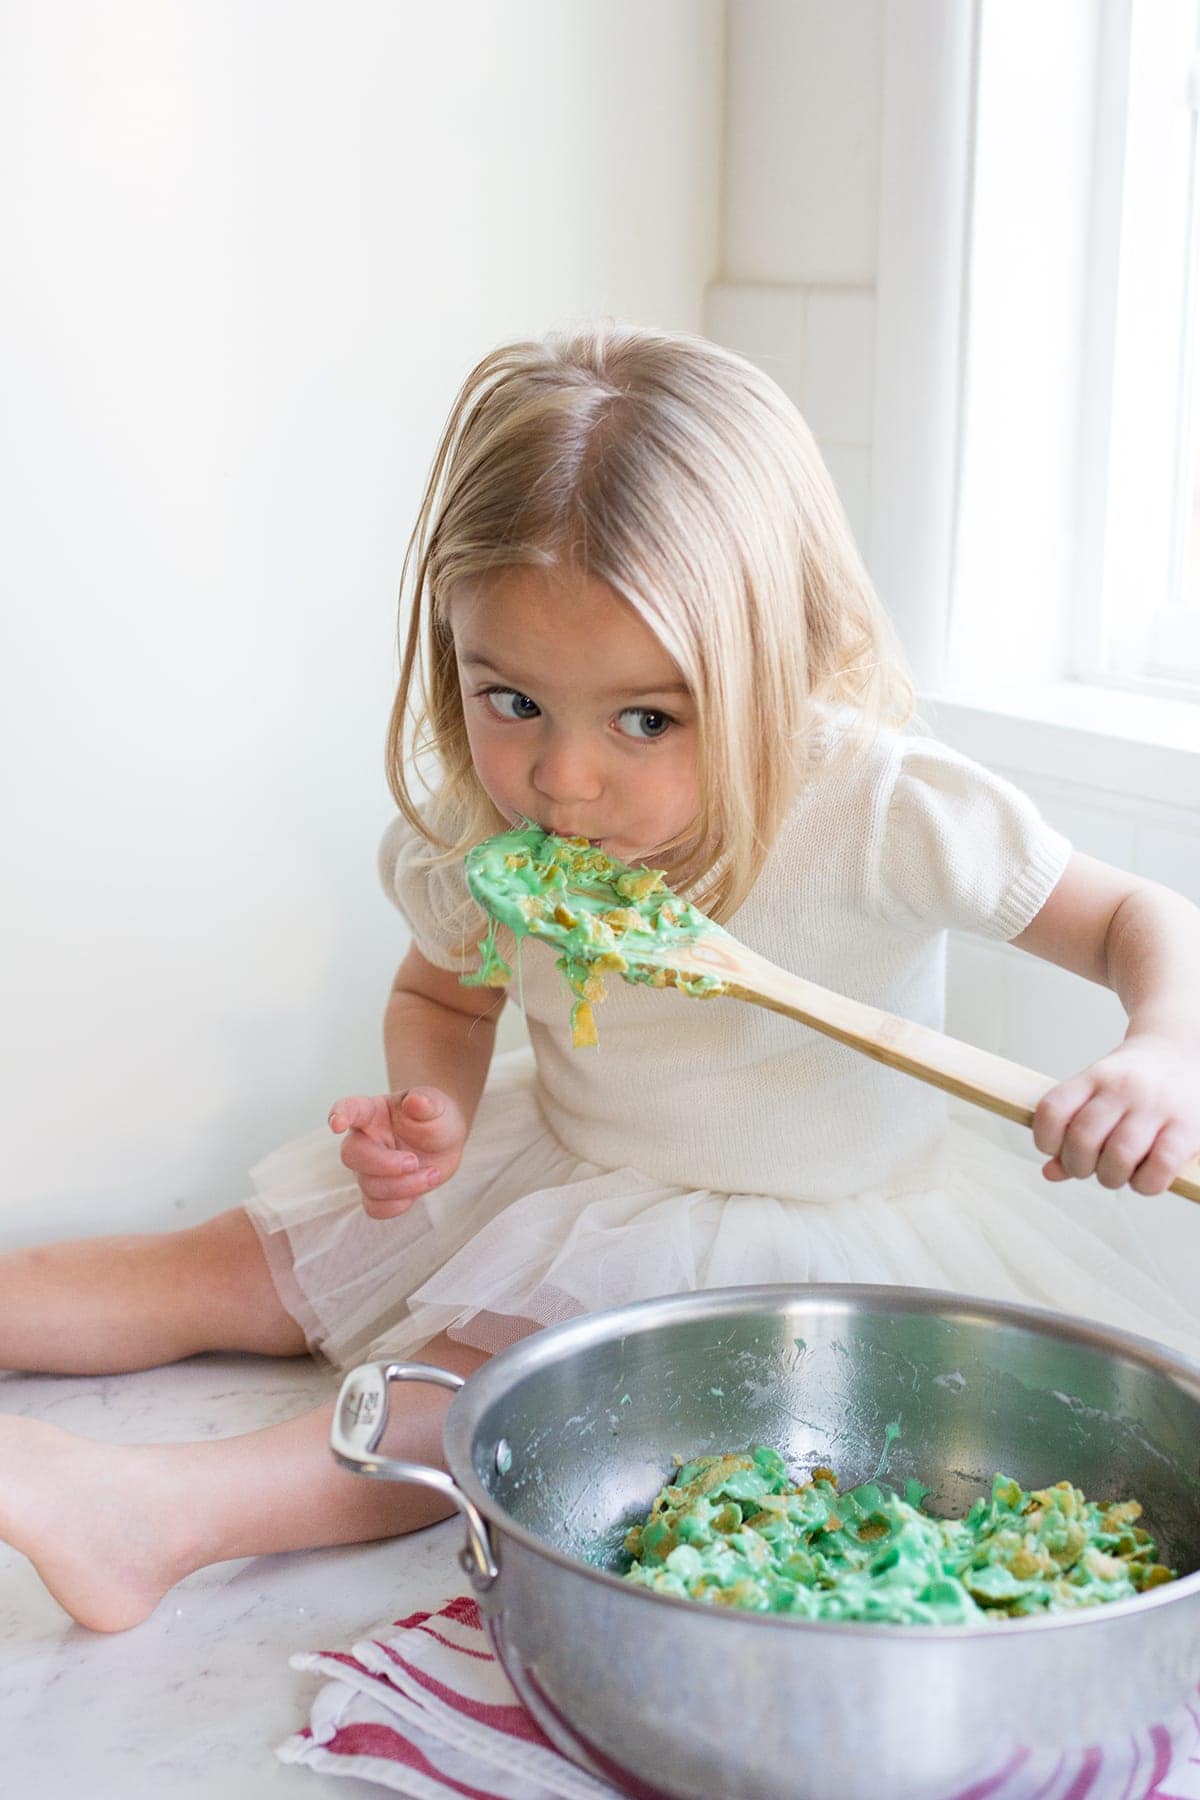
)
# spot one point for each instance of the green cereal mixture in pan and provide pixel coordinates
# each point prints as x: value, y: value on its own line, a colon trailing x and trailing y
x: 735, y: 1530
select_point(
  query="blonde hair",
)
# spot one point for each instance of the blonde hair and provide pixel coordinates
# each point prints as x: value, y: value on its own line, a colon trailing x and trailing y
x: 679, y: 474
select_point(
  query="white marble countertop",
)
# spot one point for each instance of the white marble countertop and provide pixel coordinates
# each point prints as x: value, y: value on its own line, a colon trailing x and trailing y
x: 193, y: 1701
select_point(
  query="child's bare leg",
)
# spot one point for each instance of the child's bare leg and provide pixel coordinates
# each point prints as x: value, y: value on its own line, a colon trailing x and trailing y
x: 100, y: 1306
x: 111, y: 1527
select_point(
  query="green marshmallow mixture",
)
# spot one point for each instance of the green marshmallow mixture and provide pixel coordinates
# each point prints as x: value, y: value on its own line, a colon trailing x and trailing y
x: 598, y: 912
x: 735, y: 1530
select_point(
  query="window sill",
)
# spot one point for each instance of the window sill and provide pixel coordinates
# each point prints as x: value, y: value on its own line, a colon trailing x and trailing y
x: 1131, y: 744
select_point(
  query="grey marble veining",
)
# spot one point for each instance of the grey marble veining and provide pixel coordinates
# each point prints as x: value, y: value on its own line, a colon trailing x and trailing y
x: 192, y: 1702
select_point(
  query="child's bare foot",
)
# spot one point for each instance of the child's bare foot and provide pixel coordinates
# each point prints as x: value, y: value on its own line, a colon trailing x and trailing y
x: 111, y: 1527
x: 92, y: 1520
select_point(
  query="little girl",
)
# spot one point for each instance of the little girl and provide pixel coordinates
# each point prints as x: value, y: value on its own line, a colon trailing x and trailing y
x: 637, y: 616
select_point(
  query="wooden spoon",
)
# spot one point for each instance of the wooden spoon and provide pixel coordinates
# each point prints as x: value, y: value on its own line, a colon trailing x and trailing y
x: 572, y: 895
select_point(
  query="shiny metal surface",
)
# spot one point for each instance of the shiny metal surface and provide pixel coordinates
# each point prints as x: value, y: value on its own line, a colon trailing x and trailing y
x: 675, y: 1700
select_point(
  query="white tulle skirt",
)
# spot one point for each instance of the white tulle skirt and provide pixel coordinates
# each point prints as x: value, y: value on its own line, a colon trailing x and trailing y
x: 525, y: 1235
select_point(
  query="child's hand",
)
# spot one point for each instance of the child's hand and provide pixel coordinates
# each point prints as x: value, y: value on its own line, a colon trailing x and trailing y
x: 1133, y: 1117
x: 399, y: 1145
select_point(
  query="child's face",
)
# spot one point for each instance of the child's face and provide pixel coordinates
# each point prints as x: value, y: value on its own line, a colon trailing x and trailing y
x: 576, y: 716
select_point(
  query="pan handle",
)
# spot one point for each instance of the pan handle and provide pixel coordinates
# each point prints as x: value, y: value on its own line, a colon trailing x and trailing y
x: 359, y: 1420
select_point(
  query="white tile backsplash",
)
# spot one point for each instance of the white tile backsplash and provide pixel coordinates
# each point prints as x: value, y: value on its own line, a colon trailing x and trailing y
x: 850, y: 467
x: 1098, y: 824
x: 1028, y: 1010
x: 818, y: 344
x: 764, y: 322
x: 1170, y: 852
x: 839, y: 355
x: 977, y: 991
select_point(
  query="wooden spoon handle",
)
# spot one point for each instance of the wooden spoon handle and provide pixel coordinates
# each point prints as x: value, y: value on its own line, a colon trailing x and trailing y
x: 977, y: 1075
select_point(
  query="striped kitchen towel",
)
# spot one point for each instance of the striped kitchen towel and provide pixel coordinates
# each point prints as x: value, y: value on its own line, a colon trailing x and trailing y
x: 423, y: 1707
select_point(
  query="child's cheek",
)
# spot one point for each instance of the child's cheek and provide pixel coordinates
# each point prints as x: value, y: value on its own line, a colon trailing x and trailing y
x: 659, y: 805
x: 495, y: 766
x: 677, y: 792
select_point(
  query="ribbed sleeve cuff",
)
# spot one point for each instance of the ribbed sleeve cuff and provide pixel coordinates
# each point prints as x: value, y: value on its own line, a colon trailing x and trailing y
x: 1032, y: 887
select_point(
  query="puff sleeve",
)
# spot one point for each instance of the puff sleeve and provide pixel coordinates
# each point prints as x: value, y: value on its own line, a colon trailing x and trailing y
x: 445, y: 922
x: 960, y: 847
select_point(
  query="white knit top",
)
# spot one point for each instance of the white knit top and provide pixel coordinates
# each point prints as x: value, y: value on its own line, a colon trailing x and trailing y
x: 880, y: 853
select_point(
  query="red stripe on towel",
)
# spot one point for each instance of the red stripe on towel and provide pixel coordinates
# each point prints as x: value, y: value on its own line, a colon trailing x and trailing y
x: 344, y: 1656
x: 382, y: 1741
x: 464, y: 1611
x: 991, y: 1783
x: 513, y: 1721
x: 459, y: 1649
x: 1160, y: 1737
x: 1086, y: 1778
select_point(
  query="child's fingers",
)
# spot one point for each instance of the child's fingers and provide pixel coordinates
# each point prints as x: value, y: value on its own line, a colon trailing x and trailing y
x: 428, y: 1120
x: 1088, y: 1133
x: 398, y: 1147
x: 1126, y: 1148
x: 354, y: 1113
x: 394, y: 1209
x: 399, y: 1187
x: 1135, y: 1152
x: 1056, y: 1110
x: 423, y: 1104
x: 384, y: 1199
x: 1159, y: 1168
x: 362, y: 1155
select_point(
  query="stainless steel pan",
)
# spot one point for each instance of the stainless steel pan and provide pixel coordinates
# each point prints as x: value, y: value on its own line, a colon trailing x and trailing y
x: 555, y: 1445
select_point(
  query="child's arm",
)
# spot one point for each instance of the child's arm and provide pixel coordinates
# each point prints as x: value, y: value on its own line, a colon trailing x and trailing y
x: 1133, y: 1116
x: 440, y: 1034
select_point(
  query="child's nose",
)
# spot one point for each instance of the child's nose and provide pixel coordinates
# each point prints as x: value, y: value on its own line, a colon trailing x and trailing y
x: 566, y: 771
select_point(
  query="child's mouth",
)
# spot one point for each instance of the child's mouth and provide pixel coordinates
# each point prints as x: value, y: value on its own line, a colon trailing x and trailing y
x: 562, y: 832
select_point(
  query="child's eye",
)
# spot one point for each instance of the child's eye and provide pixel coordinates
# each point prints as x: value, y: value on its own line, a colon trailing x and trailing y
x: 647, y: 723
x: 511, y: 705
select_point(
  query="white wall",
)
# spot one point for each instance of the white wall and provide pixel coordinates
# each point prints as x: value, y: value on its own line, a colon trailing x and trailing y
x: 251, y: 249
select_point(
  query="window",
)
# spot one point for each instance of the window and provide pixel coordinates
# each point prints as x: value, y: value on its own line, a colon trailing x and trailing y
x: 1144, y: 598
x: 1077, y: 506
